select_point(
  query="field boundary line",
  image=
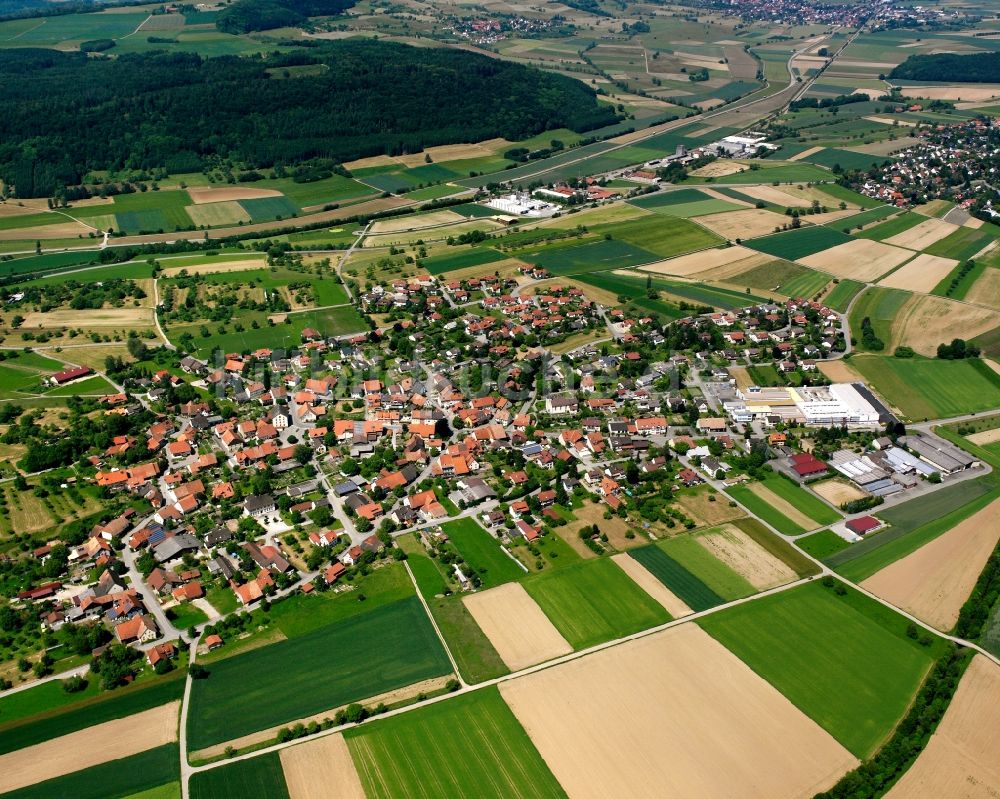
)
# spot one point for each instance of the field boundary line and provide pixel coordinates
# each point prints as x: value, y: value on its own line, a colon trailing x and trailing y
x: 434, y: 624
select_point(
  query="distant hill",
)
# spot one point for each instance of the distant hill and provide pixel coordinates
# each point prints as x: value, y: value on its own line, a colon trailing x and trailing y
x: 245, y: 16
x: 181, y: 112
x: 950, y: 68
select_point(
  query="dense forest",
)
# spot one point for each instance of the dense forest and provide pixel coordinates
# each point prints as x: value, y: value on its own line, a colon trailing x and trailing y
x: 950, y: 67
x: 245, y: 16
x: 181, y: 112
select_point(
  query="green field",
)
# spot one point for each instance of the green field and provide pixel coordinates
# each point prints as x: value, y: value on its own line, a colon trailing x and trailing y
x: 461, y: 259
x: 77, y: 27
x: 594, y: 256
x: 267, y: 208
x: 882, y: 307
x: 846, y: 159
x: 258, y: 776
x: 684, y: 203
x: 842, y: 293
x: 115, y: 779
x: 863, y: 218
x: 822, y: 544
x: 963, y: 243
x: 635, y: 290
x: 467, y: 745
x: 692, y: 591
x: 845, y: 661
x: 42, y: 698
x: 793, y: 172
x: 482, y: 552
x: 21, y: 730
x: 890, y: 228
x: 697, y: 560
x: 811, y: 505
x: 318, y: 192
x: 761, y: 508
x: 799, y: 243
x: 929, y: 388
x: 594, y: 601
x: 369, y: 654
x: 664, y: 237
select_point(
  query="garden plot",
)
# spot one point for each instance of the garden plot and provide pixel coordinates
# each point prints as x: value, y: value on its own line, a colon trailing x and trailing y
x: 714, y: 264
x: 656, y: 736
x: 100, y: 743
x: 518, y: 629
x: 746, y: 557
x: 859, y: 259
x: 960, y: 759
x: 923, y: 235
x: 312, y: 768
x: 934, y: 582
x: 743, y: 224
x: 922, y: 274
x: 673, y: 604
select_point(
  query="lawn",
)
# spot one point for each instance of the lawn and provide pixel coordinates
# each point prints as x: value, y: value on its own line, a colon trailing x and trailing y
x: 822, y: 544
x: 845, y: 661
x: 692, y: 591
x: 929, y: 388
x: 257, y: 776
x: 115, y: 779
x: 595, y: 256
x: 762, y: 509
x: 188, y: 615
x: 799, y: 243
x: 52, y: 722
x: 594, y: 601
x: 467, y: 745
x: 482, y: 552
x: 355, y: 659
x: 461, y: 259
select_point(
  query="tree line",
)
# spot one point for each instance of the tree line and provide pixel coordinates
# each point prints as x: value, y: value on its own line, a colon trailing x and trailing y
x: 182, y: 112
x: 950, y: 67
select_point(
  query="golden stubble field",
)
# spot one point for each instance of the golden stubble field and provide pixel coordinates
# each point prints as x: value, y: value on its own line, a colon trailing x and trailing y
x: 321, y: 769
x: 934, y: 582
x: 961, y: 759
x: 673, y: 714
x: 746, y: 557
x: 859, y: 259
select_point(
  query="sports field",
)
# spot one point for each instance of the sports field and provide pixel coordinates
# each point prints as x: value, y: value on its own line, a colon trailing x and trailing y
x: 819, y: 649
x: 482, y: 552
x: 355, y: 659
x: 594, y: 601
x: 929, y: 388
x: 466, y: 745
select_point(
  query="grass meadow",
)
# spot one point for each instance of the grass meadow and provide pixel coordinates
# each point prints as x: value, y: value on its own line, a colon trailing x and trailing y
x: 889, y: 228
x: 844, y: 660
x: 882, y: 307
x: 594, y: 601
x: 482, y: 552
x: 595, y: 256
x: 929, y: 388
x: 822, y: 544
x: 842, y: 293
x: 809, y: 504
x: 462, y: 259
x: 759, y: 507
x: 257, y: 776
x: 356, y: 659
x: 467, y: 744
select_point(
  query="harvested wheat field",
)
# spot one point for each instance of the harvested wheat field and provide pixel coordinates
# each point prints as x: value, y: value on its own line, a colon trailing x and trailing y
x: 432, y: 219
x: 960, y: 92
x: 934, y: 582
x: 215, y: 214
x: 746, y: 557
x: 199, y: 196
x: 860, y: 259
x: 985, y: 437
x: 922, y: 274
x: 455, y: 152
x: 698, y: 505
x: 782, y: 505
x: 216, y: 267
x: 925, y: 321
x: 795, y: 196
x: 806, y: 153
x: 89, y: 747
x: 718, y: 169
x: 9, y: 209
x: 839, y: 371
x: 518, y: 629
x: 103, y: 317
x: 986, y: 290
x: 837, y: 491
x: 960, y: 761
x: 717, y: 261
x: 321, y: 769
x: 703, y: 725
x: 923, y: 235
x: 746, y: 224
x: 671, y: 603
x: 973, y: 222
x: 60, y: 230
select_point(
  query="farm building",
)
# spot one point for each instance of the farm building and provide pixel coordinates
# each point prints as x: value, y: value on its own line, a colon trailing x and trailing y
x: 863, y: 525
x: 943, y: 456
x: 807, y: 465
x: 69, y: 375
